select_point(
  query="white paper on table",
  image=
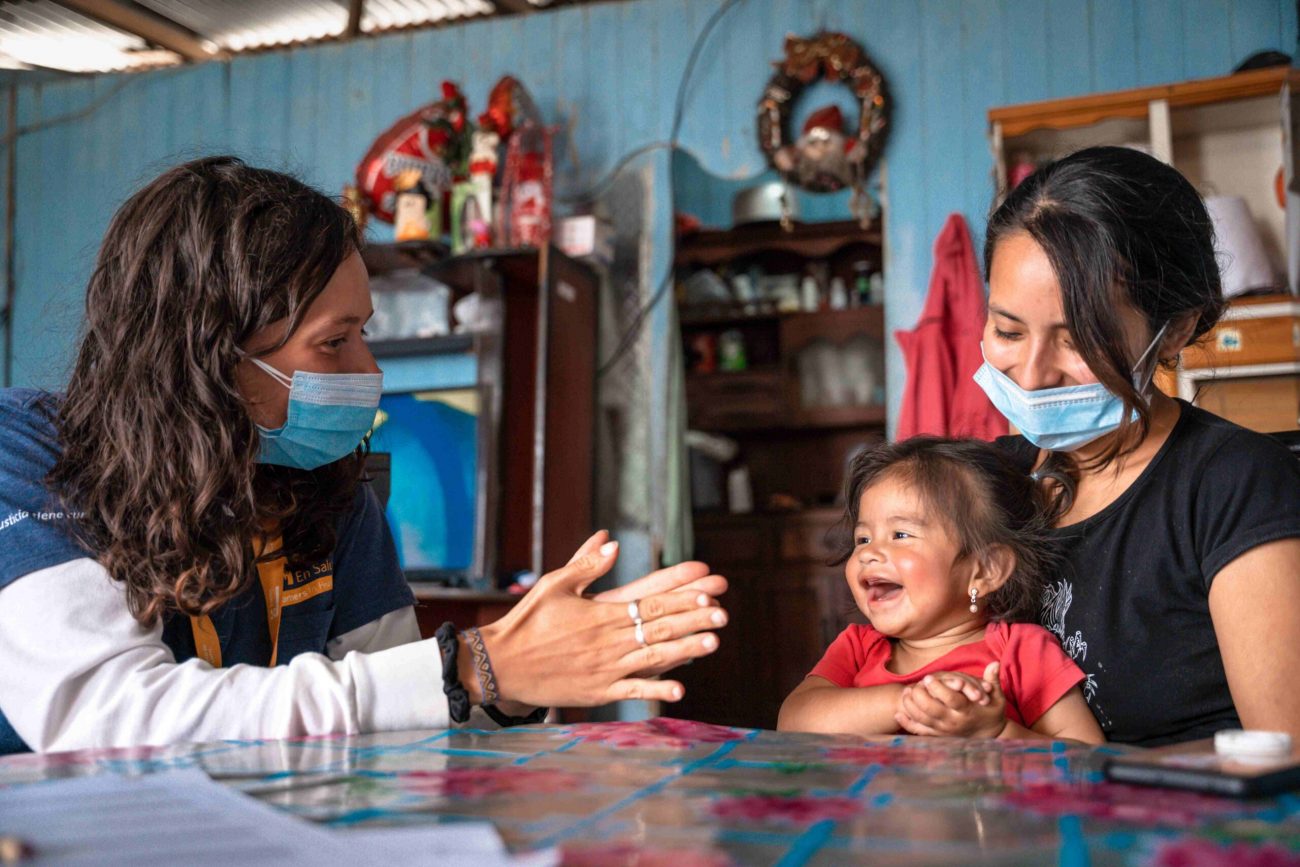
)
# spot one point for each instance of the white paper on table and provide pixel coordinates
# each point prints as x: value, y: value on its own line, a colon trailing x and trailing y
x: 176, y: 817
x: 460, y: 844
x: 182, y: 817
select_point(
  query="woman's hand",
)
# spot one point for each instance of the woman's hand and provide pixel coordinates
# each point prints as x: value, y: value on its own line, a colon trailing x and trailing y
x: 648, y: 590
x: 953, y: 704
x: 557, y: 648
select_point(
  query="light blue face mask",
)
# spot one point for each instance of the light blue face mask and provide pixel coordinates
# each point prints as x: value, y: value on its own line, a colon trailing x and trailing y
x: 1062, y: 419
x: 328, y: 415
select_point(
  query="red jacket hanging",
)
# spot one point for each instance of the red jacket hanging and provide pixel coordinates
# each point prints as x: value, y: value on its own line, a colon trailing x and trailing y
x: 943, y: 352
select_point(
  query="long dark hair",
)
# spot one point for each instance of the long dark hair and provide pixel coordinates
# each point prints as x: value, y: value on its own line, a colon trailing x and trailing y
x: 1119, y: 227
x: 158, y: 445
x: 980, y: 495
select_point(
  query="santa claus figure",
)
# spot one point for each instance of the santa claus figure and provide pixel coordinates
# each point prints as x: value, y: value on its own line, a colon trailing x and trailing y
x: 823, y: 159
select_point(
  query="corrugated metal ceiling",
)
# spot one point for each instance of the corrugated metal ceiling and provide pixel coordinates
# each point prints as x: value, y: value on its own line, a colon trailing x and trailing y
x: 127, y: 35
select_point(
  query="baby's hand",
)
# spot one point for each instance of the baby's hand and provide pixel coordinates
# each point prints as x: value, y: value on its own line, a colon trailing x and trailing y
x: 952, y: 704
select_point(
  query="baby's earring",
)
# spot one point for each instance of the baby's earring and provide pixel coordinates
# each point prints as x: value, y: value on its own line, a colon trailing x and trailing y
x: 973, y: 594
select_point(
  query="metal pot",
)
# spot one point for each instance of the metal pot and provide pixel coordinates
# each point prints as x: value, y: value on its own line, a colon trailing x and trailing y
x: 769, y: 202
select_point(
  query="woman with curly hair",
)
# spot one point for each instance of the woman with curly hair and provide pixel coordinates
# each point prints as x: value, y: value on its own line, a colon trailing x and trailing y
x: 190, y: 548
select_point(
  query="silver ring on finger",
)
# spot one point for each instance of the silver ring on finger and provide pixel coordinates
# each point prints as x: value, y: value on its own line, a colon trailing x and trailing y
x: 640, y: 634
x: 634, y: 610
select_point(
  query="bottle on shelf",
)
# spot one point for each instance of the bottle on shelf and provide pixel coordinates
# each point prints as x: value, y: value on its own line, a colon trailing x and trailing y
x: 808, y: 294
x: 839, y: 296
x: 876, y: 288
x: 861, y: 284
x: 731, y: 350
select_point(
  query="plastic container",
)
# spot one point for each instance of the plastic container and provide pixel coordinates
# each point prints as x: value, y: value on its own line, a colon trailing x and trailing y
x: 1252, y: 745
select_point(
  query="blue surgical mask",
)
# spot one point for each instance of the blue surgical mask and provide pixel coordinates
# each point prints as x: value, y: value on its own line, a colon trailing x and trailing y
x: 1062, y: 419
x: 329, y: 413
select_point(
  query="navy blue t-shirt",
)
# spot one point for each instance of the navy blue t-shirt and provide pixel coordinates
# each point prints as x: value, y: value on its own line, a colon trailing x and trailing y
x: 360, y: 583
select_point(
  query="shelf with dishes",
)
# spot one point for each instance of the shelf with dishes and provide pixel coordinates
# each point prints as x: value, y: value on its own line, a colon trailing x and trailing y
x: 697, y: 316
x: 707, y: 247
x: 792, y: 370
x: 785, y: 370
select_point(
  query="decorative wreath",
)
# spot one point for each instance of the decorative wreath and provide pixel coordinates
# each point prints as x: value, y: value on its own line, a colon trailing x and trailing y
x: 824, y: 158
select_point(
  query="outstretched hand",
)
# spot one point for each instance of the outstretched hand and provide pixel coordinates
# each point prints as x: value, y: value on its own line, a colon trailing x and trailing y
x: 558, y: 648
x: 953, y: 704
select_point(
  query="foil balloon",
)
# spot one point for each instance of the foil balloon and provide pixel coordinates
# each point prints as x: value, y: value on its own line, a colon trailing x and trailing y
x: 433, y: 140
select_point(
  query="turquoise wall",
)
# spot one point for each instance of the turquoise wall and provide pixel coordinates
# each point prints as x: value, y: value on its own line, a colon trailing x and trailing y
x: 610, y: 71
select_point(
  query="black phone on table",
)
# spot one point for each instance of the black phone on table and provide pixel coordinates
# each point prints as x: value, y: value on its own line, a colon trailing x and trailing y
x: 1196, y: 766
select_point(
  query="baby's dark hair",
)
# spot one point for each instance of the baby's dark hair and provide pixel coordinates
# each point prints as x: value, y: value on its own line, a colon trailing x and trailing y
x: 982, y: 497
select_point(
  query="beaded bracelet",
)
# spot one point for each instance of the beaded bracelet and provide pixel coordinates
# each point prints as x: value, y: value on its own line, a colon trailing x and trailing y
x: 487, y: 681
x: 457, y: 695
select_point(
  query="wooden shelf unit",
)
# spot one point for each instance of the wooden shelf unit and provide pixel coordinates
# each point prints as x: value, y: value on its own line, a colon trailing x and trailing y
x: 766, y: 395
x: 810, y: 240
x: 1083, y: 111
x: 535, y: 377
x: 786, y: 603
x: 1248, y: 367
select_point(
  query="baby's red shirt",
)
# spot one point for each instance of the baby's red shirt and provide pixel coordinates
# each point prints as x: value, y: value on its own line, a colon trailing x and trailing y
x: 1035, y: 671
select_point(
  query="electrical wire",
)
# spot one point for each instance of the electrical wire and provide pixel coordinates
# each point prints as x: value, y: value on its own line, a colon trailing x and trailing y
x: 9, y: 143
x: 94, y: 106
x: 629, y: 338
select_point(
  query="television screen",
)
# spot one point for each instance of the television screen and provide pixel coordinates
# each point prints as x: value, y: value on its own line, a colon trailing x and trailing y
x: 432, y: 437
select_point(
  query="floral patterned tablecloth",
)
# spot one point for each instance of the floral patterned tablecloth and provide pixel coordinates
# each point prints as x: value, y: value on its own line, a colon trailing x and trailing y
x: 680, y: 794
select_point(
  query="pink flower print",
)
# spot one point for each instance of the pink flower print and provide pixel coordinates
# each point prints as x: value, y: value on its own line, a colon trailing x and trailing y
x: 485, y: 782
x: 612, y: 854
x: 1140, y: 806
x: 704, y: 733
x: 660, y: 733
x: 882, y: 755
x: 1206, y: 853
x: 798, y: 809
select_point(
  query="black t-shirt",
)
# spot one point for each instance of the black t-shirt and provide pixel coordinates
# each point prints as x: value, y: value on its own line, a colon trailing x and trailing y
x: 1132, y: 604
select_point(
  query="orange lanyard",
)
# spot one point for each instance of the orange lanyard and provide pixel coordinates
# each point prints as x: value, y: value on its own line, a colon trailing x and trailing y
x: 271, y: 574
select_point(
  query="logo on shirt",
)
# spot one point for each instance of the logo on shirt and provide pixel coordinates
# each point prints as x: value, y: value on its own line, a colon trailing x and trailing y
x: 1056, y: 601
x: 303, y: 583
x: 22, y: 515
x: 1055, y: 605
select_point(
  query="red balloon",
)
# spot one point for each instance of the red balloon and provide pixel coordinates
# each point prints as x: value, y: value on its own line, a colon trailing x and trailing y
x: 418, y: 141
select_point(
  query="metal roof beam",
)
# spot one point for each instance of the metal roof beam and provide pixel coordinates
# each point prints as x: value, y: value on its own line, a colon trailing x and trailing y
x: 514, y: 7
x: 146, y: 25
x: 356, y: 8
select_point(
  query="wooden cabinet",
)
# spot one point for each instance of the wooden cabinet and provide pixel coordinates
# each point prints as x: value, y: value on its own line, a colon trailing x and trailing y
x: 533, y: 369
x: 1247, y: 368
x: 786, y: 602
x: 1230, y: 136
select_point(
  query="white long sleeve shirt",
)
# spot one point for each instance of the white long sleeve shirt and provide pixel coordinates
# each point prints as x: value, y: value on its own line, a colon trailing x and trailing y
x: 84, y: 673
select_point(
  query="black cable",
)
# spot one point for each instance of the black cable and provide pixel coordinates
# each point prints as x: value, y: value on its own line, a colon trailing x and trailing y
x: 630, y: 335
x: 92, y: 107
x: 9, y: 142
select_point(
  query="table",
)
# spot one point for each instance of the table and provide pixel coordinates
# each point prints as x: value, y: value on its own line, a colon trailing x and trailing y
x: 684, y: 794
